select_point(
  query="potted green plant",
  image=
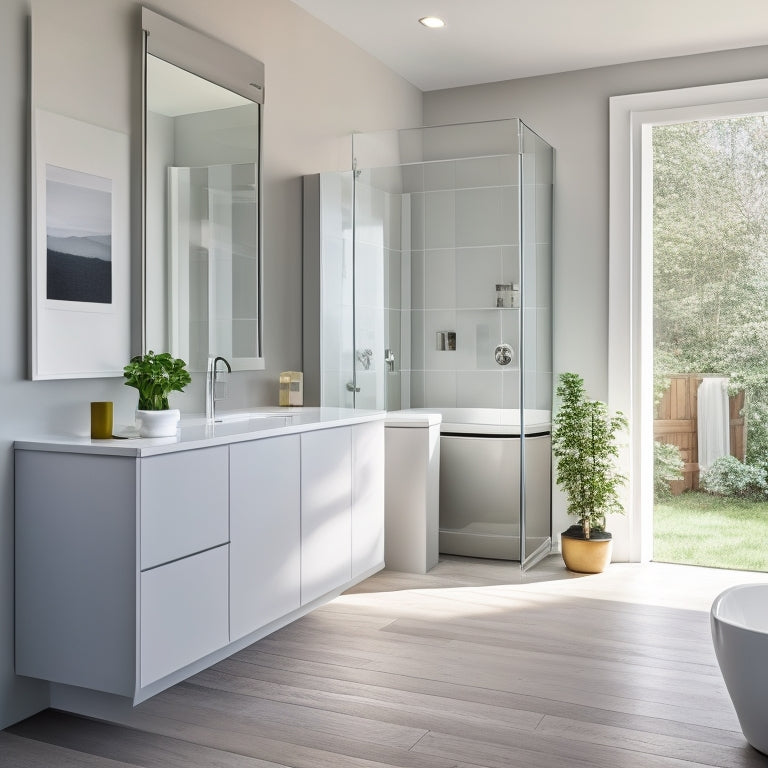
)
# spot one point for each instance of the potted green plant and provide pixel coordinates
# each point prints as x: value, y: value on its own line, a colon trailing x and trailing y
x: 155, y: 376
x: 584, y: 444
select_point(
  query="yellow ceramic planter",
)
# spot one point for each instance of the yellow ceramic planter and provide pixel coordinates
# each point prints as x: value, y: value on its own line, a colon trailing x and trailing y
x: 586, y: 555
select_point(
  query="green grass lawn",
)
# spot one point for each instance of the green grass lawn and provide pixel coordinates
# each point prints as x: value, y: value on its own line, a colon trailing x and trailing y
x: 698, y: 529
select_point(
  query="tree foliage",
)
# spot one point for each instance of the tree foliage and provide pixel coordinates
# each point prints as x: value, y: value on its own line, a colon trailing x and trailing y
x: 710, y: 241
x: 584, y: 444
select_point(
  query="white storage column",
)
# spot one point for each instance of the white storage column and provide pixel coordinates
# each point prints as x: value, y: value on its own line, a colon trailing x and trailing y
x: 412, y: 491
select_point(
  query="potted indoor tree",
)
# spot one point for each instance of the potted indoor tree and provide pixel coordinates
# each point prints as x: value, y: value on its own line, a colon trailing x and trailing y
x: 584, y: 444
x: 155, y: 377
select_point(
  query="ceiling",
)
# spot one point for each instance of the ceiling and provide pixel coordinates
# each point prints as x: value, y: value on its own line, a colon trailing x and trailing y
x: 489, y: 40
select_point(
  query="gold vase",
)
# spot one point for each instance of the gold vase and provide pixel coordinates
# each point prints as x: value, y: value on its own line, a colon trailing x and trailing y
x: 586, y: 555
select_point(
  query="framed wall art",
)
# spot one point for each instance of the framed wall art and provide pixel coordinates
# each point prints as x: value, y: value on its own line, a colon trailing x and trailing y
x: 80, y: 249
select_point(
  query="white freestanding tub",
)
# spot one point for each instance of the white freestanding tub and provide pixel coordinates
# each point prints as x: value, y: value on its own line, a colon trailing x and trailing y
x: 739, y: 621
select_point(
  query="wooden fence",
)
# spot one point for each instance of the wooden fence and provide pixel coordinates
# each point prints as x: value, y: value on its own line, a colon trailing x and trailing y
x: 676, y: 422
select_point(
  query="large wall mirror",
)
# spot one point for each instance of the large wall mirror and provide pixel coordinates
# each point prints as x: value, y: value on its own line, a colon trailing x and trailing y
x: 202, y: 197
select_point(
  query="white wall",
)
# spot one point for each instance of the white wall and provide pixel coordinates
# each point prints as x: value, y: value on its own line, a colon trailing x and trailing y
x: 86, y: 63
x: 570, y: 111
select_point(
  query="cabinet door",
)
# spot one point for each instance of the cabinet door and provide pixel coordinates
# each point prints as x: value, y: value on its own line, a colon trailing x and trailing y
x: 184, y: 612
x: 184, y: 504
x: 367, y: 497
x: 265, y: 532
x: 326, y: 497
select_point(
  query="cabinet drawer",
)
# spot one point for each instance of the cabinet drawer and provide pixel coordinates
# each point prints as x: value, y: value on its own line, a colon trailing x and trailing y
x: 184, y: 504
x: 184, y: 612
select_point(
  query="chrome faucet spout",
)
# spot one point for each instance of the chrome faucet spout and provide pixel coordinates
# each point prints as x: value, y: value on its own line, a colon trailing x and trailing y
x: 211, y: 380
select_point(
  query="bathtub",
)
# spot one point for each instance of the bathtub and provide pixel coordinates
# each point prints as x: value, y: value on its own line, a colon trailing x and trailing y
x: 739, y: 621
x: 480, y: 490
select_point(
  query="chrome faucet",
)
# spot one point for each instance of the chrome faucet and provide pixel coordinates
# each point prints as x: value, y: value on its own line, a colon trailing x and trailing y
x: 211, y: 381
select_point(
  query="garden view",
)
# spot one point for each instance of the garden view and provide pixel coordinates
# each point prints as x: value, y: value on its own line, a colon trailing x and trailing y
x: 710, y: 229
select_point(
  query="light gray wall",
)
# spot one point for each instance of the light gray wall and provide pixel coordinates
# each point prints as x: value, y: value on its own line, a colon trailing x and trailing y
x: 319, y: 88
x: 570, y: 111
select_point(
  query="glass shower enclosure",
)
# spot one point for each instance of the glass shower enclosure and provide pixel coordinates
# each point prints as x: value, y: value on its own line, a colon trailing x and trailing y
x: 434, y: 292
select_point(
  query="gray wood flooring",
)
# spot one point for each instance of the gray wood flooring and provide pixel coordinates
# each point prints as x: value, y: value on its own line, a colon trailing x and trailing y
x: 473, y: 664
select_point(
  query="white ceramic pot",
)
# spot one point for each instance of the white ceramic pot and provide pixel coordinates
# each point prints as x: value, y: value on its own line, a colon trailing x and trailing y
x: 158, y: 423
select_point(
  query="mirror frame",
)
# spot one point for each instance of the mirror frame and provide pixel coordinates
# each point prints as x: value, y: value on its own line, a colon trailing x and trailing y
x: 229, y: 68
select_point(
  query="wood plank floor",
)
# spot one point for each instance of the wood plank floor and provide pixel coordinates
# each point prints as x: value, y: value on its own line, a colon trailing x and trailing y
x: 474, y: 664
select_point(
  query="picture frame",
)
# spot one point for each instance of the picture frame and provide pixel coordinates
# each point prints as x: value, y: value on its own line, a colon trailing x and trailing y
x: 79, y: 249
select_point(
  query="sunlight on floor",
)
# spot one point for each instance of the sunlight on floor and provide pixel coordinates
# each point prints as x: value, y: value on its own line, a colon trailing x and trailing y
x: 495, y: 587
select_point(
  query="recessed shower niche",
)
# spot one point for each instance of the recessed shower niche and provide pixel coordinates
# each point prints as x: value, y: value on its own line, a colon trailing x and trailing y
x: 428, y: 286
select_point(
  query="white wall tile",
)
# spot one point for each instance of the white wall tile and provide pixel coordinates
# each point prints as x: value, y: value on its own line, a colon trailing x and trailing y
x: 543, y: 339
x: 478, y: 270
x: 479, y: 217
x: 478, y: 333
x: 392, y: 335
x: 510, y: 264
x: 394, y: 399
x: 393, y: 223
x: 369, y: 275
x: 510, y: 213
x: 416, y: 389
x: 543, y: 198
x: 417, y: 339
x: 417, y: 221
x: 413, y: 178
x: 440, y: 279
x: 479, y: 389
x: 439, y: 220
x: 440, y: 389
x: 530, y: 335
x: 392, y: 279
x: 486, y: 171
x: 510, y: 386
x: 405, y: 341
x: 418, y: 295
x: 439, y: 175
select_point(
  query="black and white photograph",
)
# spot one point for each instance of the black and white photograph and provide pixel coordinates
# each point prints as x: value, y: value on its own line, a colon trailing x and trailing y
x: 78, y: 236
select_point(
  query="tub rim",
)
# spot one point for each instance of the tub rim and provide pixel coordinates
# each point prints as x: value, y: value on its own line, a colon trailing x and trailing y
x: 720, y: 599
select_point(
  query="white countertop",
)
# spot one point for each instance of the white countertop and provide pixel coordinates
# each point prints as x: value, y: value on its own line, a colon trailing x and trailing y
x: 236, y: 426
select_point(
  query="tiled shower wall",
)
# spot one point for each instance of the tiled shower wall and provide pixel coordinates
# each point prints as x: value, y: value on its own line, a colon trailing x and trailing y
x: 432, y: 240
x: 464, y: 241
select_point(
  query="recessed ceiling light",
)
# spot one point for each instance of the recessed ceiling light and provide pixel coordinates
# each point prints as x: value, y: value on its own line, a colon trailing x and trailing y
x: 432, y: 22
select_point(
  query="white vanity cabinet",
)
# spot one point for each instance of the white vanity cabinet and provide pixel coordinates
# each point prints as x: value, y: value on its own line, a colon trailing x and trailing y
x: 342, y: 506
x: 137, y: 567
x: 367, y: 497
x: 81, y: 548
x: 265, y: 523
x: 326, y: 511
